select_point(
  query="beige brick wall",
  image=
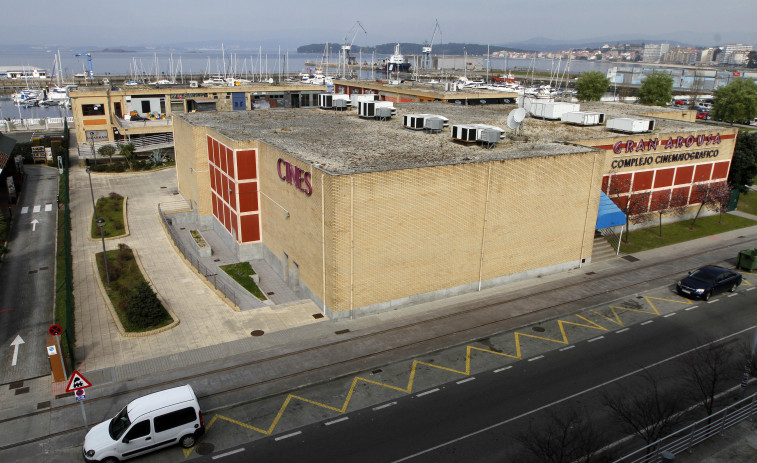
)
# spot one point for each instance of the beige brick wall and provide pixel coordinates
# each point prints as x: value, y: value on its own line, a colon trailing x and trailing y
x: 191, y: 152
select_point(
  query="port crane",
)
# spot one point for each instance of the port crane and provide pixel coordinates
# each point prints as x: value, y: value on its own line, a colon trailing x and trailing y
x: 426, y: 60
x: 89, y: 62
x: 346, y: 58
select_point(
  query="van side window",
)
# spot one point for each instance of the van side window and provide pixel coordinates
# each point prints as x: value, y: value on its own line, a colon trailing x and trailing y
x: 140, y: 429
x: 174, y: 419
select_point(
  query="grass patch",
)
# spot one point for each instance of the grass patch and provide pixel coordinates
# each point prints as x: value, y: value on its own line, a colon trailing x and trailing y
x: 125, y: 276
x: 199, y: 239
x: 748, y: 202
x: 678, y: 232
x: 61, y: 292
x: 241, y: 272
x: 110, y: 208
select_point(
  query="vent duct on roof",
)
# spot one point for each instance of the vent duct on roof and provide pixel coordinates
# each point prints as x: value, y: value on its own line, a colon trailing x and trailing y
x: 488, y: 135
x: 552, y: 109
x: 420, y: 121
x: 630, y: 125
x: 376, y: 109
x: 583, y: 118
x: 334, y: 101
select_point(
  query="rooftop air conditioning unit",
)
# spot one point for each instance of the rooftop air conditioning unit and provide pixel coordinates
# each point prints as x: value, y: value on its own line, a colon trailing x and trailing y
x: 450, y: 87
x: 418, y: 121
x: 487, y: 134
x: 630, y: 125
x: 193, y: 84
x: 465, y: 133
x: 434, y: 124
x: 328, y: 101
x: 552, y: 109
x: 369, y: 109
x: 356, y: 98
x: 583, y: 118
x: 384, y: 113
x: 325, y: 100
x: 340, y: 104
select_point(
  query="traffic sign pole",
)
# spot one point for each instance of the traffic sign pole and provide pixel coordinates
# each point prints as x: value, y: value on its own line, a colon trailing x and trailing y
x: 79, y: 394
x: 62, y: 359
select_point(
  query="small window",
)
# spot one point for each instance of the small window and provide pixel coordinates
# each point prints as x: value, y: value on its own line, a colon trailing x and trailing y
x: 140, y: 429
x: 145, y: 106
x: 92, y: 110
x: 174, y: 419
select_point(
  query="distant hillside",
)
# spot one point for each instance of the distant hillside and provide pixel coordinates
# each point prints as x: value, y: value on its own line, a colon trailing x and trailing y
x: 409, y: 49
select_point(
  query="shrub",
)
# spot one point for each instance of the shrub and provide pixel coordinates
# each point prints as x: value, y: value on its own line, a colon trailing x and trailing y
x: 114, y: 195
x: 145, y: 309
x: 124, y: 253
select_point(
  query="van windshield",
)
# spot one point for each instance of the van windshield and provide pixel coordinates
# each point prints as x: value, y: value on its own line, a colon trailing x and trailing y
x: 119, y: 424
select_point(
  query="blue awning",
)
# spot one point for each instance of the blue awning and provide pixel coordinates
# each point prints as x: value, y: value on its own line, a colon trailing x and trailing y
x: 609, y: 215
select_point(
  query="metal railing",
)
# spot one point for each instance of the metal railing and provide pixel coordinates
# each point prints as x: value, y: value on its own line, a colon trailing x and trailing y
x: 220, y: 280
x: 144, y: 143
x: 42, y: 123
x: 683, y: 440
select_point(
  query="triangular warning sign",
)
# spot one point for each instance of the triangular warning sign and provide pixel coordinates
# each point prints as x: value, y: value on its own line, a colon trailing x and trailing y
x: 77, y: 381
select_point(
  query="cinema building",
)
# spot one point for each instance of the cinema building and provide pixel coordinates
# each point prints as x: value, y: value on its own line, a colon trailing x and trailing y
x: 365, y: 215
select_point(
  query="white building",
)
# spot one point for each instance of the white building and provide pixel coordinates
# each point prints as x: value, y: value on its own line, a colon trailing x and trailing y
x: 735, y: 54
x: 653, y: 52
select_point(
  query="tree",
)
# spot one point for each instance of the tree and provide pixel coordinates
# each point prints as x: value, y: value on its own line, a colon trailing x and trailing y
x: 672, y: 203
x: 657, y: 89
x: 752, y: 60
x: 707, y: 369
x: 127, y: 151
x: 712, y: 195
x: 591, y: 86
x: 145, y: 309
x: 619, y: 190
x: 736, y: 101
x: 744, y: 161
x: 107, y: 150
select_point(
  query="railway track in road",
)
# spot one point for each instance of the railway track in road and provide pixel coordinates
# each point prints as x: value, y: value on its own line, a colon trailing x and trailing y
x: 395, y: 333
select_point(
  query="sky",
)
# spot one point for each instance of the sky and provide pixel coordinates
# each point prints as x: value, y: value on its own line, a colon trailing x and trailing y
x: 292, y: 23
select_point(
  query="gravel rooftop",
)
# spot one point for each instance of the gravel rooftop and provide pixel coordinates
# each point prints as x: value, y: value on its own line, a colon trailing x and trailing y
x: 339, y: 142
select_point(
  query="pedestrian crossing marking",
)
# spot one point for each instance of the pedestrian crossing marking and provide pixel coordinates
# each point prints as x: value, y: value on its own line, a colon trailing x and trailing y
x: 36, y: 209
x: 24, y: 210
x: 48, y: 207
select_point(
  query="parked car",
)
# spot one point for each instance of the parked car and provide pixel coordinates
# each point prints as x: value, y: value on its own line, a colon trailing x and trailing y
x: 147, y: 424
x: 705, y: 115
x: 706, y: 281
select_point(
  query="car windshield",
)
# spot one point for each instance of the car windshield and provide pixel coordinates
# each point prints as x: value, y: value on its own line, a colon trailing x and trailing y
x: 119, y: 424
x: 703, y: 275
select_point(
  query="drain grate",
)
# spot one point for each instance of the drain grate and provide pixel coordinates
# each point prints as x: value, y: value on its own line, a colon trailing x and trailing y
x: 631, y: 258
x: 342, y: 331
x: 591, y: 273
x: 377, y: 371
x: 269, y: 293
x: 216, y: 260
x: 257, y: 333
x: 206, y: 448
x: 22, y: 390
x: 44, y: 268
x: 163, y: 187
x: 317, y: 315
x: 42, y: 405
x: 539, y: 329
x: 15, y: 385
x: 32, y: 272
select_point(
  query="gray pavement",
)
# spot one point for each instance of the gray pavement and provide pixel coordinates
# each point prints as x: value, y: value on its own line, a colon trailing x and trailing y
x: 211, y: 332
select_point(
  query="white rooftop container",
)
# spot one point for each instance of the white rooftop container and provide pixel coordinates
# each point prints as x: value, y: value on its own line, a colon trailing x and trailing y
x: 552, y: 109
x: 631, y: 125
x: 583, y: 118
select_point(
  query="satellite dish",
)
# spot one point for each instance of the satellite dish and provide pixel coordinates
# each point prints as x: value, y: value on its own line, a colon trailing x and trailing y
x: 519, y: 114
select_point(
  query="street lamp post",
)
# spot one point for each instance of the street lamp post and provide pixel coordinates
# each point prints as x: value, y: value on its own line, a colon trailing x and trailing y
x: 92, y: 145
x: 101, y: 224
x: 89, y: 174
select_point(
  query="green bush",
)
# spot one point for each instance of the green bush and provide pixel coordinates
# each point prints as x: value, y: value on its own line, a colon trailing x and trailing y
x: 145, y: 309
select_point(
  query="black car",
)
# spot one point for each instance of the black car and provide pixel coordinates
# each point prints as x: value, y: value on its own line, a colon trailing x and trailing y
x: 706, y: 281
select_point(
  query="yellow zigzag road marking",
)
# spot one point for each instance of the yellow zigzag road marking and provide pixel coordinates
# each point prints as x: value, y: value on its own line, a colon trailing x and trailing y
x: 614, y: 309
x: 408, y: 389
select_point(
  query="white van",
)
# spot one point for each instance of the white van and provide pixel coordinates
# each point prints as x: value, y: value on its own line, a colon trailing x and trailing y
x: 148, y: 423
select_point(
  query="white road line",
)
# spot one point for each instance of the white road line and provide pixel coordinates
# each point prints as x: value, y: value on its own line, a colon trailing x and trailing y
x: 669, y: 315
x: 287, y: 436
x: 691, y: 308
x: 567, y: 348
x: 712, y: 301
x: 623, y: 330
x: 466, y: 380
x: 570, y: 397
x: 733, y: 294
x: 536, y: 358
x: 48, y: 207
x: 748, y: 289
x: 427, y: 392
x: 384, y: 406
x: 596, y: 339
x: 24, y: 210
x: 36, y: 208
x: 646, y: 322
x: 344, y: 418
x: 503, y: 369
x: 216, y: 457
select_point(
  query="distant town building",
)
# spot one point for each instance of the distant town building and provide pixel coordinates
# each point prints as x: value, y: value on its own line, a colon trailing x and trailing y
x: 707, y: 56
x: 681, y: 55
x: 734, y: 54
x: 22, y: 72
x: 654, y: 52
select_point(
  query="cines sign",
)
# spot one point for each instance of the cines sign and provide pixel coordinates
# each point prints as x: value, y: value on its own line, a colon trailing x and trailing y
x: 631, y: 146
x: 293, y: 175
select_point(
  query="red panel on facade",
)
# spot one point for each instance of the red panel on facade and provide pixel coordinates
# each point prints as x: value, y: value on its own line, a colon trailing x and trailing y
x: 246, y: 169
x: 250, y: 228
x: 218, y: 181
x: 605, y: 182
x: 683, y: 175
x: 215, y: 205
x: 216, y: 147
x: 225, y: 188
x: 702, y: 172
x: 210, y: 149
x: 639, y: 203
x: 620, y: 183
x: 234, y: 224
x: 230, y: 162
x: 720, y: 170
x: 642, y: 180
x: 620, y: 201
x: 248, y: 197
x: 697, y: 193
x: 680, y: 196
x: 663, y: 177
x: 660, y: 200
x: 222, y: 158
x: 233, y: 195
x: 227, y: 217
x: 212, y: 178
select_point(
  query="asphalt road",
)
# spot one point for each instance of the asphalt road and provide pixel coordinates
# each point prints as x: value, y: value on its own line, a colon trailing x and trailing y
x: 479, y: 418
x: 27, y: 274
